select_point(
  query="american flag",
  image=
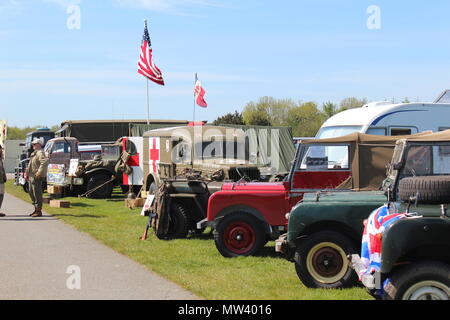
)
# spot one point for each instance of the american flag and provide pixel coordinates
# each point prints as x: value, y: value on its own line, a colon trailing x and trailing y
x: 146, y: 67
x: 199, y: 93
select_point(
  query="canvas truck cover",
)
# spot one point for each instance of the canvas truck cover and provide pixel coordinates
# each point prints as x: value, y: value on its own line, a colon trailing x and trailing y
x: 259, y: 141
x: 105, y: 131
x: 369, y: 156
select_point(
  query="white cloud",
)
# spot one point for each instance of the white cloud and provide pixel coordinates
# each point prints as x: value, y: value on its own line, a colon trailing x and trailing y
x: 10, y: 6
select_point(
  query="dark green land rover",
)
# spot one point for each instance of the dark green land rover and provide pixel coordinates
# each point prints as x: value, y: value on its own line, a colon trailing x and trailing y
x: 326, y: 228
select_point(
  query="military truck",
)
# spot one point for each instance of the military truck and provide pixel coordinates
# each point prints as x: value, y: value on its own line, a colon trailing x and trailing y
x: 41, y: 133
x: 75, y: 169
x: 325, y: 228
x: 189, y: 164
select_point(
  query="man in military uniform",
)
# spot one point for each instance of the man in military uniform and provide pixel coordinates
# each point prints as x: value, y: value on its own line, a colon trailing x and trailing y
x: 36, y: 173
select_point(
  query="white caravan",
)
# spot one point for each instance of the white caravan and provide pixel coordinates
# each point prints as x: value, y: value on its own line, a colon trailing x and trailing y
x: 386, y: 118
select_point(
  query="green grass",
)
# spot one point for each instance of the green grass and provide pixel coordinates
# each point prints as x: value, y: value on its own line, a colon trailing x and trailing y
x: 193, y: 263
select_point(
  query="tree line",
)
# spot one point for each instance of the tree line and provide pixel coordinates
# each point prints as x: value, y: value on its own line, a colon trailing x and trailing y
x: 16, y: 133
x: 305, y: 118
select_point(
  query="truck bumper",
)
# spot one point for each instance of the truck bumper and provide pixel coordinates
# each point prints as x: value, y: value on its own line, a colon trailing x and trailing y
x: 205, y: 223
x: 281, y: 244
x: 370, y: 281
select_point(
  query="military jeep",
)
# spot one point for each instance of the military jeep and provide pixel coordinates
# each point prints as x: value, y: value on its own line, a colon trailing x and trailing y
x: 415, y: 251
x: 326, y: 227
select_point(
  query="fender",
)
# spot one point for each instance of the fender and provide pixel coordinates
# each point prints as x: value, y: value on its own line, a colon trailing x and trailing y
x: 415, y: 238
x: 96, y: 170
x: 347, y: 209
x: 269, y: 206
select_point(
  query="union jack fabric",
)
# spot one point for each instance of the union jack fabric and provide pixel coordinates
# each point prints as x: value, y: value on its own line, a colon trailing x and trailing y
x: 146, y: 66
x: 199, y: 93
x: 377, y: 222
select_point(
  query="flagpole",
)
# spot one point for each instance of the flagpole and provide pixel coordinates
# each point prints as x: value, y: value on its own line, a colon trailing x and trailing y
x: 148, y: 106
x: 148, y: 102
x: 193, y: 115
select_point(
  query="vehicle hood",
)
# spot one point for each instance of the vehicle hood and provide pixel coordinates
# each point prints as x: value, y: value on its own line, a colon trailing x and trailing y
x: 255, y: 186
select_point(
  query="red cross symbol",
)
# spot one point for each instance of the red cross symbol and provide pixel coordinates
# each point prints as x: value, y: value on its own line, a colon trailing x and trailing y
x: 154, y: 155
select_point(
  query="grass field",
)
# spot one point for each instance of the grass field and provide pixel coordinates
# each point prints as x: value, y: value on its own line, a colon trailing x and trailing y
x: 193, y: 263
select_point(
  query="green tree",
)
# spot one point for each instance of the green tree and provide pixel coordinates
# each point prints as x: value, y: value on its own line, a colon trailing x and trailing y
x: 268, y: 111
x: 305, y: 120
x: 329, y: 109
x: 230, y: 118
x: 16, y: 133
x: 352, y: 102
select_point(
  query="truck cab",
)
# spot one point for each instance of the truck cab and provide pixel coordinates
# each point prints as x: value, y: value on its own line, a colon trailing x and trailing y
x: 77, y: 169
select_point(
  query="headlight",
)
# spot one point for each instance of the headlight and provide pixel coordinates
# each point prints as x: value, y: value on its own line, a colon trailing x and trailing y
x: 78, y: 181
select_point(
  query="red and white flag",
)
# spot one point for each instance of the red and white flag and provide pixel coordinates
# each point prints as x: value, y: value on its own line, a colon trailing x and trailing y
x: 199, y: 93
x: 146, y: 67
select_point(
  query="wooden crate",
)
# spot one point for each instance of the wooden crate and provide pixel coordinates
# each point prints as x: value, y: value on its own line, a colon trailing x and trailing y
x: 59, y: 203
x: 134, y: 203
x: 54, y: 189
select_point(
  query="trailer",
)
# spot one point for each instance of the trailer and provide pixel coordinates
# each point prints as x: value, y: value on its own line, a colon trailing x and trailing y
x: 390, y: 119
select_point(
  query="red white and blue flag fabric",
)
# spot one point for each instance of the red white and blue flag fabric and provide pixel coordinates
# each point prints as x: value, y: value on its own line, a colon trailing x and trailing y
x: 199, y: 93
x: 377, y: 222
x: 146, y: 66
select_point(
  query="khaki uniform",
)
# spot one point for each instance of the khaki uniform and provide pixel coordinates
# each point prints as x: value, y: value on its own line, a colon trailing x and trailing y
x: 37, y: 172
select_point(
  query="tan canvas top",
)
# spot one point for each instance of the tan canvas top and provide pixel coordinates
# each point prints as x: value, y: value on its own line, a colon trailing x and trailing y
x: 437, y: 136
x: 369, y: 156
x: 358, y: 137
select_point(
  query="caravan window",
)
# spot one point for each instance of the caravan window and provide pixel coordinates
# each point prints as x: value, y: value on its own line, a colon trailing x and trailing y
x: 402, y: 131
x: 377, y: 131
x: 323, y: 157
x: 338, y: 131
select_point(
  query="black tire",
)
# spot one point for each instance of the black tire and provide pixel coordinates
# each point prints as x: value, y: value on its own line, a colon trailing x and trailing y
x: 103, y: 192
x: 430, y: 189
x: 239, y: 234
x: 321, y: 261
x: 423, y: 280
x: 178, y: 222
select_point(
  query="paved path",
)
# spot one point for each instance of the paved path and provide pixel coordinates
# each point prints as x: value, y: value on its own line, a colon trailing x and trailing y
x: 36, y: 255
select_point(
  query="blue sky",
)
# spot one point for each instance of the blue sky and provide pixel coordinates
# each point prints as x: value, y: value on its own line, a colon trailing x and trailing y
x: 319, y: 50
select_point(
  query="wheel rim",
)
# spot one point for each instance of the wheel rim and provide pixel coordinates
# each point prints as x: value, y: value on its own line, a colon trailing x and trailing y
x: 427, y: 290
x: 239, y: 237
x: 327, y: 262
